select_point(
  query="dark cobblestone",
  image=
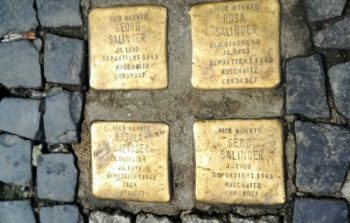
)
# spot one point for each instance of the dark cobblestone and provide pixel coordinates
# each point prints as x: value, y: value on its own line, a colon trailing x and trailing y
x: 60, y: 214
x: 53, y: 13
x: 339, y: 77
x: 321, y: 211
x: 336, y: 35
x: 20, y: 66
x: 20, y: 116
x: 17, y: 15
x: 15, y: 160
x: 16, y: 212
x: 306, y: 90
x: 319, y: 10
x: 56, y: 177
x: 62, y: 114
x: 323, y: 157
x: 63, y: 60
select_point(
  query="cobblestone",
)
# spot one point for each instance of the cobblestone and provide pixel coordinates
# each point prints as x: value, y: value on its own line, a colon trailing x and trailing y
x: 57, y: 177
x: 198, y: 219
x: 340, y: 83
x: 15, y: 160
x: 16, y: 212
x: 20, y: 66
x: 330, y: 144
x: 319, y: 10
x: 306, y: 90
x: 336, y: 35
x: 101, y: 217
x: 149, y: 218
x: 20, y: 116
x: 17, y: 15
x: 264, y: 219
x: 321, y: 211
x: 61, y: 214
x: 62, y: 115
x: 54, y: 13
x: 64, y: 59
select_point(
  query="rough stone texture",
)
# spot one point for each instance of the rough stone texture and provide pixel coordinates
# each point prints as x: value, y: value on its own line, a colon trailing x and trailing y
x: 339, y: 77
x: 318, y: 10
x: 63, y: 60
x: 149, y: 218
x: 38, y: 43
x: 101, y: 217
x: 20, y: 116
x: 19, y: 64
x: 306, y: 90
x: 56, y: 177
x: 295, y: 34
x: 53, y: 13
x: 16, y: 212
x: 62, y: 115
x: 323, y: 157
x: 345, y: 190
x: 178, y: 105
x: 336, y: 35
x: 61, y: 214
x: 197, y: 219
x: 17, y: 16
x: 264, y: 219
x: 321, y: 211
x: 15, y: 160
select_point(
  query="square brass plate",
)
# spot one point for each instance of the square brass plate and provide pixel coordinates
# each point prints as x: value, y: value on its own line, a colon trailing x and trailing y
x: 239, y: 162
x: 130, y: 161
x: 236, y: 44
x: 128, y: 48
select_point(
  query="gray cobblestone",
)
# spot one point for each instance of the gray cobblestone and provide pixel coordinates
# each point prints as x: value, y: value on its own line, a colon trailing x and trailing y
x: 16, y: 212
x: 149, y: 218
x: 319, y: 10
x: 15, y: 160
x: 56, y: 177
x: 101, y: 217
x: 61, y: 214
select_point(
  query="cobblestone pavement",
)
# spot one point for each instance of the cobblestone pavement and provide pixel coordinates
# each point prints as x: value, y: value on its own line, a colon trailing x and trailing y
x: 46, y: 110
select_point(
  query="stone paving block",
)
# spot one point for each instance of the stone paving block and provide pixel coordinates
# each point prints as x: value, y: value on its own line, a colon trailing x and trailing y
x: 295, y: 34
x: 339, y: 77
x: 323, y: 157
x: 197, y: 219
x: 19, y: 64
x: 17, y: 16
x: 56, y: 177
x: 101, y: 217
x: 318, y: 10
x: 149, y: 218
x: 62, y: 115
x: 336, y: 35
x: 16, y: 212
x: 15, y: 160
x: 63, y: 60
x: 53, y: 13
x: 61, y: 214
x: 345, y: 190
x: 20, y: 116
x: 308, y: 210
x: 306, y: 90
x: 264, y: 219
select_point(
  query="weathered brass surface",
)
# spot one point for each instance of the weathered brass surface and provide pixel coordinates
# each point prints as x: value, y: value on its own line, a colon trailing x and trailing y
x: 128, y: 48
x: 239, y: 162
x: 236, y: 44
x: 130, y: 161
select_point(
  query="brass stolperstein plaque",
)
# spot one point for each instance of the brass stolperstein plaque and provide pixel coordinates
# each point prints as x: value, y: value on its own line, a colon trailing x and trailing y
x: 128, y: 48
x: 236, y: 44
x: 130, y: 161
x: 239, y: 162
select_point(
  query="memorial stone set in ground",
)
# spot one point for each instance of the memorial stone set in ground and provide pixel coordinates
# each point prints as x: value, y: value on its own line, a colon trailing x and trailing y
x: 190, y: 115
